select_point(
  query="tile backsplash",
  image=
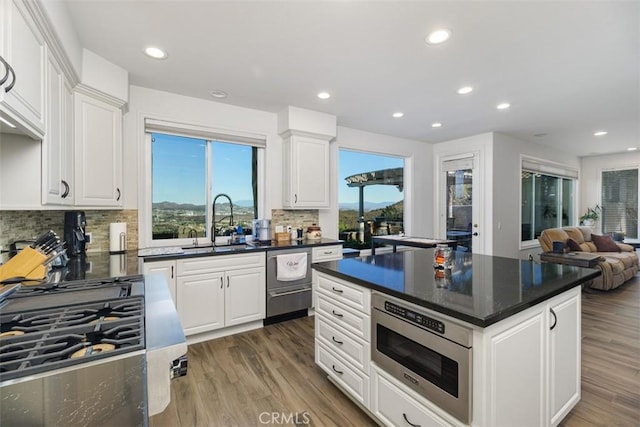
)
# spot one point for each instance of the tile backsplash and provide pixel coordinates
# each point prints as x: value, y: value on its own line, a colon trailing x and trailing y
x: 294, y: 218
x: 26, y: 225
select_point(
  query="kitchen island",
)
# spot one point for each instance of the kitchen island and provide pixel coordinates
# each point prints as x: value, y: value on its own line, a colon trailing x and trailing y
x: 523, y: 323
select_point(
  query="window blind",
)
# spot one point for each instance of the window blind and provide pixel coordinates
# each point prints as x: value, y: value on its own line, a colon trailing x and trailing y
x: 549, y: 169
x: 620, y: 202
x: 458, y: 164
x: 202, y: 132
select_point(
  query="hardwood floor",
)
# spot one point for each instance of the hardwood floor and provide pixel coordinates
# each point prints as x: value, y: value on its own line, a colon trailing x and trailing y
x: 268, y: 376
x: 610, y: 358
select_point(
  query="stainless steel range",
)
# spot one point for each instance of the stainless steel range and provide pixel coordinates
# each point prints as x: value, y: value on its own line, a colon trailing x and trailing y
x: 86, y: 352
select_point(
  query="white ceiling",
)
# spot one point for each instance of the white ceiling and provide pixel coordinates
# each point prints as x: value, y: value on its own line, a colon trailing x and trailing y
x: 567, y: 68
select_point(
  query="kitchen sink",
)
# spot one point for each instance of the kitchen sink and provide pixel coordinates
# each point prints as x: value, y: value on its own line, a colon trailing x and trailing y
x: 214, y: 249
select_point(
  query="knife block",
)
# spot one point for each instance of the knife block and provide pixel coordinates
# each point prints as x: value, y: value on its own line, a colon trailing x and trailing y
x: 28, y: 263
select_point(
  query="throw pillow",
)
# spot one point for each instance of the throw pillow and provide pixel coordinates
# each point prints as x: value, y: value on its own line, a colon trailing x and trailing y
x: 573, y: 245
x: 604, y: 243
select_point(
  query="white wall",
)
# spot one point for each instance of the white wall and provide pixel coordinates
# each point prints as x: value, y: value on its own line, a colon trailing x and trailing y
x: 417, y: 191
x: 163, y: 105
x: 591, y: 175
x: 506, y: 202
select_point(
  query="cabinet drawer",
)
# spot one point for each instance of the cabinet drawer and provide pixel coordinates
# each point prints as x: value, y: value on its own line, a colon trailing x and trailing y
x: 394, y: 407
x: 326, y: 253
x: 346, y: 317
x: 355, y: 350
x: 219, y: 262
x: 352, y: 380
x: 346, y: 293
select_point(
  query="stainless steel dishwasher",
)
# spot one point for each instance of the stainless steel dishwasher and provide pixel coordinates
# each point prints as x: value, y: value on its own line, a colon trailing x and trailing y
x: 286, y: 298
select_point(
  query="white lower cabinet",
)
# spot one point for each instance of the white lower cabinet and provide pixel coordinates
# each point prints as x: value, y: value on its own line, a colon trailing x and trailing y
x: 342, y: 329
x: 529, y: 370
x: 526, y: 368
x: 393, y: 407
x: 168, y: 270
x: 201, y: 302
x: 215, y: 292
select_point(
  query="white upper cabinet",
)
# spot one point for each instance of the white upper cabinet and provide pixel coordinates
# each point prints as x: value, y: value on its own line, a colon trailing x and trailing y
x: 22, y: 95
x: 57, y: 144
x: 98, y: 152
x: 306, y: 172
x: 306, y: 160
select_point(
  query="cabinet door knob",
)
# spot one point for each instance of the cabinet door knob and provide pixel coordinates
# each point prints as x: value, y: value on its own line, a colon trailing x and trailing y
x: 555, y: 319
x: 66, y: 189
x: 6, y: 74
x: 409, y: 422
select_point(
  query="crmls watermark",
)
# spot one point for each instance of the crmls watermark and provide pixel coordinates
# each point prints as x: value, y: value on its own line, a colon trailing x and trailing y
x: 284, y: 418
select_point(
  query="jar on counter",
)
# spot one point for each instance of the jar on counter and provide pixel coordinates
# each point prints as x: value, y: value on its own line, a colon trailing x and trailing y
x: 314, y: 233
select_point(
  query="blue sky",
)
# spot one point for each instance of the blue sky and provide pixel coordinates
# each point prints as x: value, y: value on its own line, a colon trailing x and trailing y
x: 180, y: 171
x: 353, y: 162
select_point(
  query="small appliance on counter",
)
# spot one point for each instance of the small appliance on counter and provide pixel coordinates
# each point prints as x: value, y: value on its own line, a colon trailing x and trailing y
x: 75, y: 226
x: 262, y: 231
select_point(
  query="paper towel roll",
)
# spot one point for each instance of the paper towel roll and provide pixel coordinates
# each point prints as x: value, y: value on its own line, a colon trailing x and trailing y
x: 117, y: 237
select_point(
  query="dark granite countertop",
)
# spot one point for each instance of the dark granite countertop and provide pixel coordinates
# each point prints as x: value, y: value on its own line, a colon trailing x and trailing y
x: 480, y: 289
x: 203, y: 251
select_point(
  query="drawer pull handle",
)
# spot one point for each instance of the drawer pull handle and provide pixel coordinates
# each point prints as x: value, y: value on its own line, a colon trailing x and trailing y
x: 337, y: 290
x: 555, y: 319
x: 328, y: 252
x: 336, y: 371
x: 336, y: 341
x: 409, y: 422
x: 337, y: 314
x: 221, y: 282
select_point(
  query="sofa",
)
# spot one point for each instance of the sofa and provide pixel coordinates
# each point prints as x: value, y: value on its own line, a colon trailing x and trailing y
x: 618, y: 262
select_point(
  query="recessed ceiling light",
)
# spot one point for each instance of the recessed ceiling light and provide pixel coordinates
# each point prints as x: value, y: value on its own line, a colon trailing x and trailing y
x: 503, y: 106
x: 218, y: 93
x: 600, y: 133
x: 465, y: 90
x: 632, y: 148
x: 397, y: 114
x: 438, y: 36
x: 155, y: 52
x: 436, y: 125
x: 324, y: 95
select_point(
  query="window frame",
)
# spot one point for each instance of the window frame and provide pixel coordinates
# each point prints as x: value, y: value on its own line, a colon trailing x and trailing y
x: 551, y: 169
x: 145, y: 199
x: 406, y: 160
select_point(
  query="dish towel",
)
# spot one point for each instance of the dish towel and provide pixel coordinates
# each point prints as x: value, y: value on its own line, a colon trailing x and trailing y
x: 291, y: 267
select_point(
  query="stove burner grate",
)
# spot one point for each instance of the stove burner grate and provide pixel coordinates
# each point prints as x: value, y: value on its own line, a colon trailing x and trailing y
x: 50, y: 337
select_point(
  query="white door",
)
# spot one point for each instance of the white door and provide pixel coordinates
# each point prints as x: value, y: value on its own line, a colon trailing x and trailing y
x: 245, y: 298
x: 461, y: 203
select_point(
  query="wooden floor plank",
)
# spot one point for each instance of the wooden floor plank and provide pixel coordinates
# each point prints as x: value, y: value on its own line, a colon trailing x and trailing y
x: 234, y: 381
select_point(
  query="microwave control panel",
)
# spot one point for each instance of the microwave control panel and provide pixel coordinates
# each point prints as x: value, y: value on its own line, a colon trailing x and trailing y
x: 413, y: 317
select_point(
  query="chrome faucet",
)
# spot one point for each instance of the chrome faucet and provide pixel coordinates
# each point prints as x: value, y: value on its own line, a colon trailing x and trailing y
x: 214, y: 230
x: 193, y: 234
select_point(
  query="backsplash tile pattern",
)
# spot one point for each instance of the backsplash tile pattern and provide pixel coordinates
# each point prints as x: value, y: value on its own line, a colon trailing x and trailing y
x: 294, y: 218
x: 26, y: 225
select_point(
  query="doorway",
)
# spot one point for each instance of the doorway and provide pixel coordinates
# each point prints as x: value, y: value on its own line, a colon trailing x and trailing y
x: 460, y: 194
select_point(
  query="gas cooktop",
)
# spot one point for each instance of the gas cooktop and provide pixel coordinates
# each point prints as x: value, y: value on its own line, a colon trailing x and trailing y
x: 56, y: 325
